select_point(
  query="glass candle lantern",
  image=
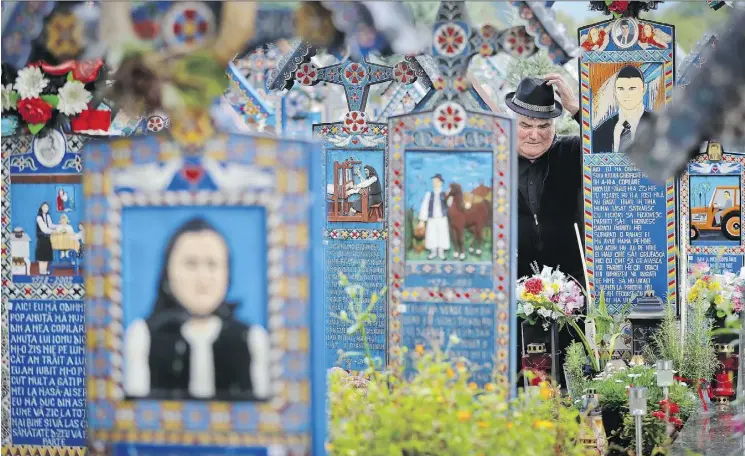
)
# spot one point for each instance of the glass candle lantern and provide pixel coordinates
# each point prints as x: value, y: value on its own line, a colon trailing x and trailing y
x: 537, y: 361
x: 638, y: 401
x: 724, y: 378
x: 664, y: 373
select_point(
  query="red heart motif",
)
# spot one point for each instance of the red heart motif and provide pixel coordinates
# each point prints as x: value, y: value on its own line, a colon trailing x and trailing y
x: 355, y: 141
x: 193, y: 174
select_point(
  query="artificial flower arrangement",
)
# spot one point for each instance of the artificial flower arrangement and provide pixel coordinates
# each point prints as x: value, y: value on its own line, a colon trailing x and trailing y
x: 620, y: 9
x: 548, y: 295
x: 53, y: 96
x: 721, y: 294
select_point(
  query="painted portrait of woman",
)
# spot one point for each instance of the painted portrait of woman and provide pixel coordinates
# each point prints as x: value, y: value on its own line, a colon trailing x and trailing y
x: 44, y: 229
x: 192, y: 346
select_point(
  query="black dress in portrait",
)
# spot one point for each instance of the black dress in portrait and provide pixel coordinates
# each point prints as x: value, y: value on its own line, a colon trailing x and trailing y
x: 170, y: 360
x: 43, y: 241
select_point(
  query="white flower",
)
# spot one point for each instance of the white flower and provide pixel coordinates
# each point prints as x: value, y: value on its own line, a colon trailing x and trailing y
x: 30, y: 82
x: 73, y: 98
x: 528, y: 308
x: 543, y: 312
x: 6, y: 95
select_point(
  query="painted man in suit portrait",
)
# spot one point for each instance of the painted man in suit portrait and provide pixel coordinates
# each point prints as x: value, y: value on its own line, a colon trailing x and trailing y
x: 617, y: 130
x: 625, y: 37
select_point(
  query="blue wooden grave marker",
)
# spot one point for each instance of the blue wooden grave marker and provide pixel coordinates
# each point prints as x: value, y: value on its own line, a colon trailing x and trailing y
x: 209, y: 246
x: 717, y: 170
x: 447, y: 277
x: 630, y: 222
x: 354, y: 161
x: 42, y: 306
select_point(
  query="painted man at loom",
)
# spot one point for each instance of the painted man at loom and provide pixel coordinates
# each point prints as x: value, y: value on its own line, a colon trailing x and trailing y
x: 550, y: 185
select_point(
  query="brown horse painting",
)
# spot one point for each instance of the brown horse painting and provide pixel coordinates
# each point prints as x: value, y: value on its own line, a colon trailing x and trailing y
x: 473, y: 219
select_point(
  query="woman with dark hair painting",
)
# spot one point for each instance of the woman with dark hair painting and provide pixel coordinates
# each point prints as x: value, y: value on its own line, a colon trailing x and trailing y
x: 371, y: 182
x: 191, y: 346
x: 44, y: 229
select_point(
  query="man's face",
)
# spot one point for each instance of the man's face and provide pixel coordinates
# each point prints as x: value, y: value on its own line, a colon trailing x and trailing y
x: 534, y: 136
x: 624, y: 29
x: 629, y: 92
x: 436, y: 183
x: 727, y: 195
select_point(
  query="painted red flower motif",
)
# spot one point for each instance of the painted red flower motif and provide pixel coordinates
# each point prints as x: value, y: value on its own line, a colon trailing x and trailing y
x: 355, y: 123
x: 307, y: 74
x: 534, y: 285
x: 450, y: 39
x: 35, y: 110
x: 403, y: 73
x: 155, y: 123
x: 355, y: 73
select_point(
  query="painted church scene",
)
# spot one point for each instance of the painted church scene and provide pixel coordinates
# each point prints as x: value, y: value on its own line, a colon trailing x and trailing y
x: 372, y: 228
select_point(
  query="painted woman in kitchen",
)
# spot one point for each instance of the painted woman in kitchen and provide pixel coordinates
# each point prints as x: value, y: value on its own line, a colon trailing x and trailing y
x: 191, y: 346
x: 44, y: 229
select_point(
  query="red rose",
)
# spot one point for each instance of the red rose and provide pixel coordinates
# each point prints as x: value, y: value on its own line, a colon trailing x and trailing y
x: 659, y: 414
x: 534, y: 286
x: 676, y: 421
x: 619, y: 7
x: 35, y: 110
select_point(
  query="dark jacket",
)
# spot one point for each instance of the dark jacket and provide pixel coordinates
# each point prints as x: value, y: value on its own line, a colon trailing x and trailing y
x: 170, y: 362
x: 603, y: 135
x: 548, y: 237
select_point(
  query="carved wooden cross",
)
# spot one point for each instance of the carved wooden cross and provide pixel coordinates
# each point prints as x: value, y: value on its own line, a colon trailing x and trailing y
x: 454, y: 43
x: 356, y: 77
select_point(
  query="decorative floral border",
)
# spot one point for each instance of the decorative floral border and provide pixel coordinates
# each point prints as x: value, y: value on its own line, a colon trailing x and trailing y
x: 485, y: 132
x: 285, y: 420
x: 591, y: 161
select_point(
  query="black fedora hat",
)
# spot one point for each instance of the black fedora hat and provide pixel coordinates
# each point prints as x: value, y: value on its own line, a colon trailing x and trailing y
x: 534, y: 98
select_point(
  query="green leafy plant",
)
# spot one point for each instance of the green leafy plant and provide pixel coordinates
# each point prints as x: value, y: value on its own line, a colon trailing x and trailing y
x: 437, y: 409
x: 608, y: 328
x: 613, y: 392
x: 654, y: 435
x: 440, y: 411
x: 574, y: 369
x: 699, y: 356
x: 358, y: 314
x: 666, y: 340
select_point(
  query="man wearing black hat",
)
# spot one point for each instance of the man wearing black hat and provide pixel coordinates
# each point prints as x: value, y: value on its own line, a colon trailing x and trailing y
x: 550, y: 177
x: 550, y: 181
